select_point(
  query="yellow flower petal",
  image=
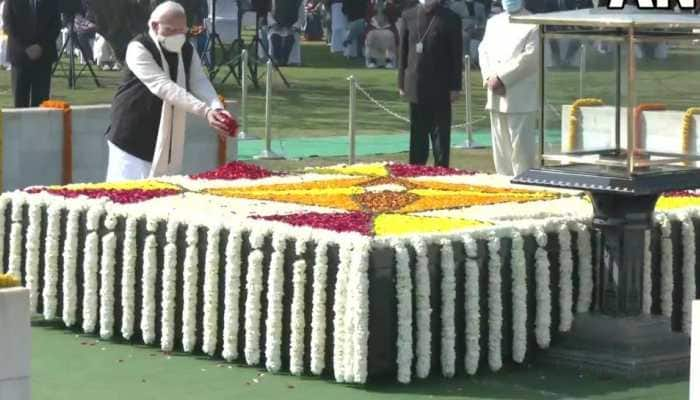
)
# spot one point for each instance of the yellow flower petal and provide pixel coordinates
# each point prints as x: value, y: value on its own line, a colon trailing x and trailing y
x: 397, y: 224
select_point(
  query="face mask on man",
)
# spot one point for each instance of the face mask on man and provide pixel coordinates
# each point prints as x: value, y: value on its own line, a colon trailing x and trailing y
x: 429, y: 3
x: 512, y: 6
x: 173, y: 43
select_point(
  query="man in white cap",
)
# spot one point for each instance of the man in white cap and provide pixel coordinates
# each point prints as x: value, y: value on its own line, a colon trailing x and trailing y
x: 508, y: 56
x: 164, y: 82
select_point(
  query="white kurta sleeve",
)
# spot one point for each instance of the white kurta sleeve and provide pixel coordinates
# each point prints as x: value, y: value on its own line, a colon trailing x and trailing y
x: 144, y: 67
x: 201, y: 85
x: 484, y: 61
x: 524, y: 64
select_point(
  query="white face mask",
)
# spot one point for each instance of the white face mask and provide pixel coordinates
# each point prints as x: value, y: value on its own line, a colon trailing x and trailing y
x: 428, y: 3
x: 173, y: 43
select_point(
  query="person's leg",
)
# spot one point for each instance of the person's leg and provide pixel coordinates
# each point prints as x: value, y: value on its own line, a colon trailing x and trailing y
x: 421, y: 124
x: 440, y: 134
x: 502, y: 146
x: 524, y: 139
x: 41, y: 83
x: 21, y: 87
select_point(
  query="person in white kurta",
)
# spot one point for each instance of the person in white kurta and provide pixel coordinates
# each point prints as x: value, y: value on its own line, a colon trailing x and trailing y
x: 339, y: 23
x: 508, y: 56
x: 168, y: 25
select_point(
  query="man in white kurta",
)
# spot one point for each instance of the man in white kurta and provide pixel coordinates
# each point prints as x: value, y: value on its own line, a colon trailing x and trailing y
x: 509, y: 59
x: 165, y: 81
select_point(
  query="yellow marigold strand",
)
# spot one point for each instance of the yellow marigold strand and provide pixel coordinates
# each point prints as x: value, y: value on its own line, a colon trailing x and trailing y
x: 8, y: 281
x: 687, y: 126
x: 572, y: 136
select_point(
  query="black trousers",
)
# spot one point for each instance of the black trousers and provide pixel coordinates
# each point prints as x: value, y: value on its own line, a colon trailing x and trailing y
x: 430, y: 123
x: 31, y: 83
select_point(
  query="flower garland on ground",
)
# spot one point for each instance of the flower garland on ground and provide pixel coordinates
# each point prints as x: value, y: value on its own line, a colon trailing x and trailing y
x: 234, y: 170
x: 495, y: 305
x: 471, y: 307
x: 519, y: 277
x: 232, y: 294
x: 129, y: 278
x: 448, y: 289
x: 574, y: 114
x: 211, y: 291
x: 423, y: 310
x: 107, y: 264
x: 404, y: 297
x: 687, y: 127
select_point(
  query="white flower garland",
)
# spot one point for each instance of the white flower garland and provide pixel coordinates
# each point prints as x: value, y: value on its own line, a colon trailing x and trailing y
x: 646, y: 277
x: 190, y: 279
x: 566, y: 266
x: 543, y: 317
x: 275, y: 307
x: 471, y: 307
x: 128, y: 280
x: 211, y: 291
x: 109, y: 248
x: 90, y: 270
x: 423, y: 310
x: 404, y: 297
x: 495, y: 305
x: 666, y: 268
x: 32, y: 251
x: 350, y: 320
x: 298, y: 323
x: 449, y: 295
x: 252, y: 307
x: 360, y: 269
x: 519, y: 289
x: 318, y: 312
x: 232, y: 295
x: 585, y: 269
x: 53, y: 234
x: 688, y: 232
x: 15, y: 258
x: 254, y: 286
x: 339, y: 314
x: 70, y: 261
x: 148, y: 288
x: 167, y: 338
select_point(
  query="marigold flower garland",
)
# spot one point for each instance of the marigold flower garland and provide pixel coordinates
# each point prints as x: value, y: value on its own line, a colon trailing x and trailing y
x: 298, y: 325
x: 254, y: 286
x: 232, y: 294
x: 471, y: 307
x: 404, y: 297
x: 190, y: 281
x: 211, y: 291
x: 686, y: 128
x: 167, y: 338
x: 423, y: 310
x: 15, y: 257
x: 574, y: 113
x: 448, y: 290
x: 128, y: 278
x: 519, y: 297
x: 53, y: 234
x: 318, y: 309
x: 91, y: 270
x: 70, y: 260
x: 148, y: 284
x: 107, y: 263
x: 32, y: 254
x: 8, y: 281
x: 339, y: 313
x: 360, y: 294
x: 275, y: 308
x: 495, y: 305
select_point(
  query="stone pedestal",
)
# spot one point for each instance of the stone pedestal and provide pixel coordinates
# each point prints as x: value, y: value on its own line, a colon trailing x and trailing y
x: 15, y: 344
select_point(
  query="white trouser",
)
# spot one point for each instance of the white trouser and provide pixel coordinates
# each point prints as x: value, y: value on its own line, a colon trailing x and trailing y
x: 339, y: 23
x: 122, y: 166
x: 514, y: 142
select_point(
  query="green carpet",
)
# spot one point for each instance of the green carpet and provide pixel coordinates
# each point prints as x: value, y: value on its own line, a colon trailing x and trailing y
x: 366, y: 145
x: 66, y: 366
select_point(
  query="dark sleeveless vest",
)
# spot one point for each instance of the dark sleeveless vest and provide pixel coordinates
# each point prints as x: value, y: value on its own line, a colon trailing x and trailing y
x: 136, y: 111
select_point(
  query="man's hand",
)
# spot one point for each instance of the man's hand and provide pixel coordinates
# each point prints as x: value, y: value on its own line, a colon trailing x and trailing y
x: 216, y: 120
x: 34, y: 52
x: 454, y: 95
x: 496, y: 86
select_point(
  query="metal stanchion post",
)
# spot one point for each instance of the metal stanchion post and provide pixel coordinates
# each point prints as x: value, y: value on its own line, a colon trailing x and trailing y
x: 351, y: 119
x: 469, y: 144
x: 244, y: 135
x: 582, y: 69
x: 267, y: 153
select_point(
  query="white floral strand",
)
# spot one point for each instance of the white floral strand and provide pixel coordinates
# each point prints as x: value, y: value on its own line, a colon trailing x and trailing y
x: 585, y: 269
x: 109, y: 248
x: 232, y: 295
x: 688, y: 232
x: 167, y: 338
x: 449, y: 295
x: 148, y: 287
x: 191, y: 278
x: 339, y: 314
x: 519, y: 276
x: 53, y: 234
x: 404, y: 297
x: 495, y: 305
x: 423, y: 310
x: 471, y: 307
x: 211, y: 291
x: 90, y: 271
x: 16, y: 238
x: 646, y: 277
x: 566, y: 266
x: 252, y: 307
x: 70, y: 261
x: 318, y: 311
x: 128, y: 280
x: 543, y: 317
x: 32, y: 251
x: 666, y: 268
x: 361, y: 307
x: 275, y: 307
x: 350, y: 319
x: 298, y: 322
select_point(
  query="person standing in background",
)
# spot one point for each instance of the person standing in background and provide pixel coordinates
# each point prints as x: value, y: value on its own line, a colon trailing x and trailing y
x: 509, y: 60
x: 32, y: 27
x: 339, y: 23
x: 430, y: 77
x: 4, y: 62
x: 356, y: 12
